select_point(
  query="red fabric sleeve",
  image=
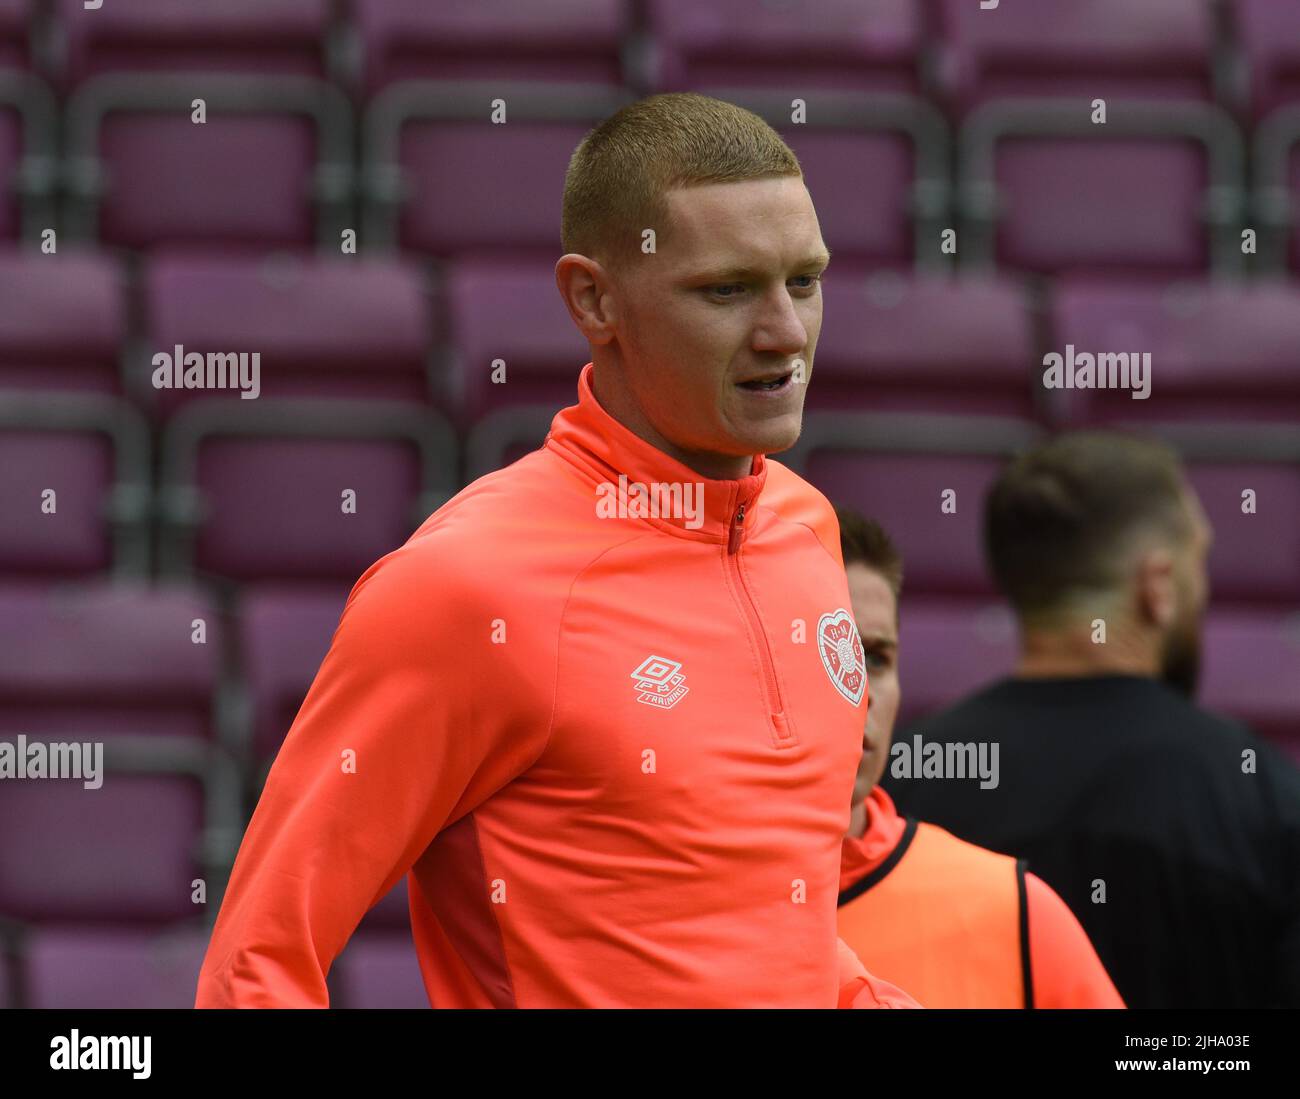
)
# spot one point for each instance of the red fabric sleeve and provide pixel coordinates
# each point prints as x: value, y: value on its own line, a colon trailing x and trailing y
x: 379, y: 759
x: 859, y: 989
x: 788, y: 494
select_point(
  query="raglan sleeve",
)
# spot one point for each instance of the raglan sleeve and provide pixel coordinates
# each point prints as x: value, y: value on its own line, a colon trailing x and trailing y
x: 402, y: 732
x: 795, y: 500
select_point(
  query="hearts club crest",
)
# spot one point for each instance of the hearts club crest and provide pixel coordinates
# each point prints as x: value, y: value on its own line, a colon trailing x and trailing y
x: 840, y: 647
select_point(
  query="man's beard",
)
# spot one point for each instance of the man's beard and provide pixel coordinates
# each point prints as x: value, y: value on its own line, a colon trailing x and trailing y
x: 1180, y: 662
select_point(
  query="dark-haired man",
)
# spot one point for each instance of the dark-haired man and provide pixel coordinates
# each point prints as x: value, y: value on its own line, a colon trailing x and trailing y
x: 1172, y: 833
x: 958, y: 926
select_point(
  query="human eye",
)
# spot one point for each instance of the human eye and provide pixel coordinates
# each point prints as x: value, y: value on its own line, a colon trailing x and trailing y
x: 812, y: 284
x: 877, y: 659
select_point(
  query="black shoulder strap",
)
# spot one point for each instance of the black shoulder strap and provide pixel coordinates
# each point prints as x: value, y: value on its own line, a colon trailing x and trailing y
x: 1026, y: 968
x: 878, y: 874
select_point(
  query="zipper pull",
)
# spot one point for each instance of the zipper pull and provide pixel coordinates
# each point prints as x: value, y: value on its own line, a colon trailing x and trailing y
x: 737, y: 525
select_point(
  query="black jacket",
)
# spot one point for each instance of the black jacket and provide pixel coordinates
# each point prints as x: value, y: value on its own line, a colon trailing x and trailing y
x: 1119, y: 787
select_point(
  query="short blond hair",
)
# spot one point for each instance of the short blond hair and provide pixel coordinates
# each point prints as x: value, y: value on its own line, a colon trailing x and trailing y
x: 619, y: 174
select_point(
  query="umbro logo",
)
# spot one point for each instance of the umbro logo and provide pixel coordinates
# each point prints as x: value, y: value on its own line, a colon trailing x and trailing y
x: 660, y: 682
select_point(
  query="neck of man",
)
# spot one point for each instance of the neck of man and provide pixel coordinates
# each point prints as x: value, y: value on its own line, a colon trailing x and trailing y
x: 615, y: 398
x: 1071, y: 652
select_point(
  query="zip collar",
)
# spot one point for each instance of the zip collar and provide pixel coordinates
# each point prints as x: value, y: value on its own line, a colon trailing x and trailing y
x: 603, y: 449
x: 863, y: 855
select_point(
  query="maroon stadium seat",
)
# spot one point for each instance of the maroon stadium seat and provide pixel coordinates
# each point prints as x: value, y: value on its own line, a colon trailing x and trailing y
x: 564, y: 40
x: 950, y: 648
x: 499, y: 309
x: 882, y: 346
x: 863, y: 185
x: 286, y: 37
x: 62, y: 321
x: 1062, y: 205
x: 261, y: 493
x: 1254, y: 556
x: 503, y: 438
x: 114, y: 659
x: 897, y: 469
x: 1157, y: 190
x: 284, y: 633
x: 126, y: 851
x: 442, y: 178
x: 96, y: 966
x: 1268, y: 34
x: 392, y: 914
x: 877, y: 167
x: 1219, y: 350
x: 849, y: 45
x: 74, y: 472
x: 1079, y: 48
x: 379, y: 970
x: 352, y: 327
x: 452, y: 211
x: 271, y: 165
x: 78, y: 468
x: 1249, y: 670
x: 114, y: 665
x: 344, y: 339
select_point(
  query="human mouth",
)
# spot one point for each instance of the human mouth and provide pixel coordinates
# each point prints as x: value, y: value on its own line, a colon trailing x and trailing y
x: 774, y: 384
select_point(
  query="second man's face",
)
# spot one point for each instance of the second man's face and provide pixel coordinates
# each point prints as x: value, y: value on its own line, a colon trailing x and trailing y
x: 876, y: 613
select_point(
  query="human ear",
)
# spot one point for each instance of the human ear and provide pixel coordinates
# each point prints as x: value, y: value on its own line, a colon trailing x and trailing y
x: 1157, y: 593
x: 583, y: 284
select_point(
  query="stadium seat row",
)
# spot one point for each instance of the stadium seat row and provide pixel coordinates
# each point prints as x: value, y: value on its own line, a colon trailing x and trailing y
x: 1029, y: 184
x: 491, y: 334
x: 1247, y: 52
x: 340, y: 484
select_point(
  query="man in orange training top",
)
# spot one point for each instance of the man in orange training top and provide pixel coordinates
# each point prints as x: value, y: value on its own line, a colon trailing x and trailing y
x: 945, y: 919
x: 605, y: 705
